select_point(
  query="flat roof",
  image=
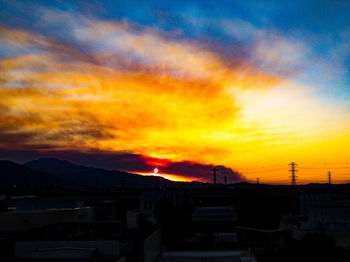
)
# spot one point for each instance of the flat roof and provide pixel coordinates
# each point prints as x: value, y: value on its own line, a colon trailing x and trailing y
x: 61, y: 252
x: 207, y: 256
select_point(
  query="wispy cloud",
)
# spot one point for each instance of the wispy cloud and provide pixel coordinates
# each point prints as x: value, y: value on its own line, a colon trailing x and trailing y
x: 83, y: 83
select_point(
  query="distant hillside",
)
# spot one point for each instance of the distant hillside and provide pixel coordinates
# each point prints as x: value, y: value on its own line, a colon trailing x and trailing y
x: 56, y: 166
x: 90, y: 176
x: 19, y: 175
x: 55, y: 172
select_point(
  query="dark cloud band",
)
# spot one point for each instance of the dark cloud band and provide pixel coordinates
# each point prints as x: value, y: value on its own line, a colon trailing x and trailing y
x: 127, y: 162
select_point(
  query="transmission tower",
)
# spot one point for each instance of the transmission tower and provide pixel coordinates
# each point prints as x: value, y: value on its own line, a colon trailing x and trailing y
x: 214, y: 175
x: 293, y: 171
x: 257, y: 181
x: 329, y: 177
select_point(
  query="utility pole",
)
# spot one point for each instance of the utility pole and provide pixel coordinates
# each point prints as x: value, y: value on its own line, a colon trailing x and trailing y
x: 257, y: 181
x: 225, y: 178
x: 214, y: 175
x: 329, y: 177
x: 293, y: 171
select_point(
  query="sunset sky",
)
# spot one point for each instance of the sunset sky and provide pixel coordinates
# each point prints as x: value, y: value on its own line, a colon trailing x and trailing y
x: 182, y: 86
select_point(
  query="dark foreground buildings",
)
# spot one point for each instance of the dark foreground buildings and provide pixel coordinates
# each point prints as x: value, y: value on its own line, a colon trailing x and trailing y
x: 240, y: 222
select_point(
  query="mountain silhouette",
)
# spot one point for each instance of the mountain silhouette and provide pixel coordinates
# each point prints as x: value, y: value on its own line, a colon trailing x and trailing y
x: 13, y: 174
x: 77, y: 175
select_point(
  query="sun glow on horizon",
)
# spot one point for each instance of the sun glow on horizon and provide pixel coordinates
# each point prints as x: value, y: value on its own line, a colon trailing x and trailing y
x: 119, y: 86
x: 172, y: 177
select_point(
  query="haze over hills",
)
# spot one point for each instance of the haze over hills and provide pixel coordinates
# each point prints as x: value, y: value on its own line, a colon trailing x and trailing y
x: 50, y: 171
x: 90, y: 176
x: 56, y: 172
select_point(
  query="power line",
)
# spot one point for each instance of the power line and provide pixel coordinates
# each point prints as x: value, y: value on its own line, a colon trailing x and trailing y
x: 263, y: 171
x: 303, y: 167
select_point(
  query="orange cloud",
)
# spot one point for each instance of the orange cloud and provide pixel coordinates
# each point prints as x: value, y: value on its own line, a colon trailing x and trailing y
x: 140, y: 90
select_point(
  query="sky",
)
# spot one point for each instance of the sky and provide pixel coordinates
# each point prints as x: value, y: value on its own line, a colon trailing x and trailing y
x: 182, y: 86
